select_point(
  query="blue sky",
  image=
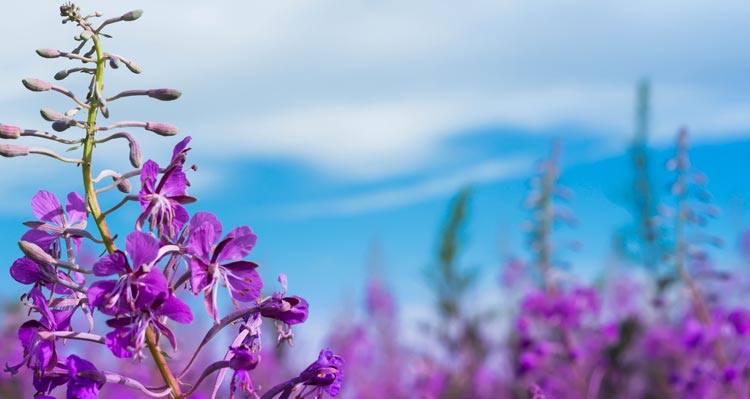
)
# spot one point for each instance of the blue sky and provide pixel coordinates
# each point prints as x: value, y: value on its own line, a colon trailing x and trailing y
x: 327, y: 126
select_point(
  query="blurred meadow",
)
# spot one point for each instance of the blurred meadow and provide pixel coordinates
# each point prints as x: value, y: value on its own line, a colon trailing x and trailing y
x: 482, y: 199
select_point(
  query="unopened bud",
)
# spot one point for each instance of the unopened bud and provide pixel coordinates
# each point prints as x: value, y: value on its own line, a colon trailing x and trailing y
x: 164, y: 94
x: 135, y: 154
x: 114, y: 62
x: 86, y: 35
x: 51, y: 115
x: 36, y: 253
x: 162, y: 129
x: 62, y: 125
x: 12, y: 150
x: 36, y: 84
x: 133, y: 67
x: 62, y: 74
x: 10, y: 131
x: 132, y: 15
x: 124, y: 186
x: 48, y: 53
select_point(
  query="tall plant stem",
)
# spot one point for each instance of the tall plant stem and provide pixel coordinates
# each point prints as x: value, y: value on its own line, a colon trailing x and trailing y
x: 96, y: 212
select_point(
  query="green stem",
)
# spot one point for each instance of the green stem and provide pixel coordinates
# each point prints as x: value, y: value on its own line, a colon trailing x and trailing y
x: 99, y: 217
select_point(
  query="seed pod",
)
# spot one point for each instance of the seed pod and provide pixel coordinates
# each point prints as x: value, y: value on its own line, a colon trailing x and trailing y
x: 9, y: 131
x: 12, y: 150
x: 162, y: 129
x: 36, y: 85
x: 132, y: 15
x: 164, y: 94
x: 48, y: 53
x: 51, y: 115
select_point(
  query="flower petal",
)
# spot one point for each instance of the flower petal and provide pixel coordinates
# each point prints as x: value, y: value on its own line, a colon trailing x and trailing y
x: 239, y: 242
x: 176, y: 310
x: 47, y: 207
x: 205, y: 230
x: 25, y: 271
x: 114, y: 263
x: 76, y: 208
x: 142, y: 248
x: 243, y: 280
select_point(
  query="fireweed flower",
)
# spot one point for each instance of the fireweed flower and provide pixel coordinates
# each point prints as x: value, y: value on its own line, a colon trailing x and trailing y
x: 139, y: 282
x: 40, y: 354
x: 324, y: 375
x: 55, y: 221
x: 212, y: 265
x: 79, y: 374
x: 286, y: 310
x: 242, y: 361
x: 162, y: 199
x: 129, y: 335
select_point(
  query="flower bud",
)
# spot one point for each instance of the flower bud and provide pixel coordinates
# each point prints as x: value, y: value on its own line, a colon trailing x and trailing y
x: 36, y: 253
x: 51, y: 115
x: 124, y: 186
x: 62, y: 125
x: 114, y: 62
x: 162, y: 129
x: 132, y: 15
x: 133, y: 67
x: 9, y: 131
x: 48, y: 53
x: 164, y: 94
x: 12, y: 150
x: 62, y: 74
x: 86, y: 35
x: 135, y: 154
x: 36, y: 84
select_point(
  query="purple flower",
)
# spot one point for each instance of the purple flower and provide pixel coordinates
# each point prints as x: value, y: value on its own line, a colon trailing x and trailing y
x: 81, y: 387
x: 41, y: 354
x: 54, y: 220
x: 212, y: 264
x: 286, y: 309
x: 82, y: 377
x: 139, y: 282
x: 242, y: 362
x: 129, y: 335
x: 325, y: 374
x: 162, y: 199
x: 27, y: 271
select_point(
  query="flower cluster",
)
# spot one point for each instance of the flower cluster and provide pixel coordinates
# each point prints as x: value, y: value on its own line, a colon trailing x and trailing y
x: 168, y: 255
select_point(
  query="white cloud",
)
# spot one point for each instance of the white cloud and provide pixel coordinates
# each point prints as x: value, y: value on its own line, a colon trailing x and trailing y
x: 365, y: 90
x: 486, y: 172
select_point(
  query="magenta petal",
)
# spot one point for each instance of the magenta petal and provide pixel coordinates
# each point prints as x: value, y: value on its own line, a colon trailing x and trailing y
x: 179, y: 148
x: 199, y: 278
x: 176, y: 310
x: 118, y: 341
x: 41, y: 303
x: 47, y: 207
x: 28, y: 332
x: 173, y: 183
x: 243, y: 280
x: 142, y: 248
x: 98, y: 294
x: 150, y: 287
x: 207, y: 218
x: 201, y: 240
x: 149, y: 173
x: 240, y: 243
x: 42, y: 239
x: 114, y: 263
x: 25, y: 271
x: 76, y: 208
